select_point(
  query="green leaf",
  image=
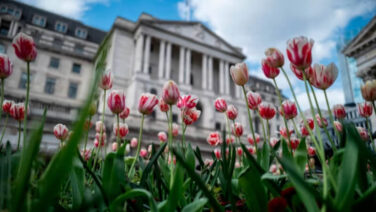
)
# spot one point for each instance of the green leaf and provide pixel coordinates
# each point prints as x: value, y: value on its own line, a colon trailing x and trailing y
x: 151, y: 163
x: 265, y: 156
x: 197, y: 205
x: 253, y: 190
x: 77, y: 183
x: 270, y: 176
x: 176, y: 191
x: 117, y: 204
x: 300, y: 156
x: 29, y: 153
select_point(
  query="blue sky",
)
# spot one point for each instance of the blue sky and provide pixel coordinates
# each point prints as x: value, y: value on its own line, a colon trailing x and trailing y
x: 251, y: 24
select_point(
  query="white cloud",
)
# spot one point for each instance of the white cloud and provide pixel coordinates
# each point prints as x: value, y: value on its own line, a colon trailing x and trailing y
x: 335, y: 97
x: 69, y: 8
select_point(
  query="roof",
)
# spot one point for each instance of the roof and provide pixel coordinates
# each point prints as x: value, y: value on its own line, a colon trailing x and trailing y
x: 93, y: 34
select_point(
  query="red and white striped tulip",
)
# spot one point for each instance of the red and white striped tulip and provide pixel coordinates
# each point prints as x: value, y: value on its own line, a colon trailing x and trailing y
x: 251, y: 150
x: 106, y: 81
x: 175, y: 129
x: 274, y: 58
x: 299, y: 52
x: 269, y: 71
x: 163, y: 106
x: 170, y: 92
x: 299, y: 73
x: 24, y: 47
x: 6, y: 66
x: 363, y: 133
x: 338, y: 126
x: 237, y: 129
x: 114, y: 146
x: 232, y: 112
x: 250, y: 139
x: 365, y: 109
x: 311, y: 151
x: 61, y: 131
x: 239, y: 74
x: 273, y: 168
x: 321, y: 122
x: 230, y: 140
x: 162, y: 136
x: 7, y: 104
x: 214, y: 138
x: 187, y: 102
x: 254, y: 100
x: 303, y: 130
x: 273, y: 141
x: 266, y: 110
x: 294, y: 143
x: 217, y: 153
x: 284, y: 133
x: 190, y: 116
x: 85, y: 153
x: 100, y: 126
x: 125, y: 113
x: 17, y: 111
x: 288, y: 110
x: 221, y: 105
x: 147, y: 103
x: 102, y: 138
x: 122, y: 131
x: 239, y: 150
x: 369, y: 90
x: 134, y: 142
x: 116, y: 101
x: 324, y: 76
x: 339, y: 111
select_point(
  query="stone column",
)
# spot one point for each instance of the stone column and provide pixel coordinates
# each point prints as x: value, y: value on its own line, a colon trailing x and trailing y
x: 168, y: 61
x: 210, y: 66
x: 147, y: 54
x: 227, y: 79
x: 161, y: 58
x: 188, y: 67
x: 204, y: 71
x: 139, y: 53
x: 221, y: 77
x: 181, y: 65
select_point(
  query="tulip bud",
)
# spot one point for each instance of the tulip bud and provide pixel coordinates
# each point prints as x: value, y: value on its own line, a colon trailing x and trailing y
x: 254, y: 100
x: 284, y: 133
x: 106, y: 81
x: 274, y: 58
x: 175, y: 130
x: 162, y: 137
x: 163, y: 106
x: 134, y: 142
x: 101, y: 138
x: 143, y: 153
x: 303, y: 130
x: 363, y: 133
x: 116, y: 101
x: 214, y: 138
x: 365, y: 109
x: 269, y: 71
x: 299, y: 52
x: 250, y: 139
x: 339, y: 111
x: 217, y: 153
x: 114, y: 146
x: 338, y: 126
x: 86, y: 154
x: 125, y: 113
x: 369, y: 90
x: 61, y: 132
x: 288, y: 110
x: 24, y: 47
x: 170, y: 93
x: 294, y: 143
x: 273, y: 168
x: 17, y: 111
x: 7, y: 104
x: 239, y: 74
x: 229, y: 140
x: 6, y: 66
x: 311, y: 151
x: 187, y: 102
x: 323, y: 77
x: 266, y: 110
x: 221, y: 105
x: 100, y: 127
x: 251, y: 150
x: 232, y: 112
x: 237, y: 129
x: 147, y: 103
x: 321, y: 122
x: 190, y: 116
x: 122, y: 131
x: 239, y: 150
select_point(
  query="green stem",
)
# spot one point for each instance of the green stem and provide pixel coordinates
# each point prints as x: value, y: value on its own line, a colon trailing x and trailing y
x: 3, y: 131
x: 228, y: 128
x: 249, y: 115
x: 295, y: 128
x: 170, y: 130
x: 118, y: 130
x: 131, y: 170
x: 183, y: 136
x: 27, y: 100
x: 19, y: 135
x: 283, y: 111
x: 263, y: 127
x: 2, y: 96
x: 268, y: 128
x: 87, y: 133
x: 331, y: 116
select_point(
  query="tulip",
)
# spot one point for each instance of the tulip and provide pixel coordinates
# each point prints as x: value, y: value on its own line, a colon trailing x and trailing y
x: 125, y: 113
x: 269, y: 71
x: 114, y: 146
x: 299, y: 52
x: 321, y: 122
x: 239, y: 74
x: 6, y: 66
x: 284, y: 132
x: 274, y: 58
x: 150, y: 148
x: 175, y: 130
x: 273, y: 141
x: 190, y: 116
x: 237, y: 129
x: 232, y: 112
x: 311, y: 151
x: 173, y: 160
x: 299, y: 73
x: 87, y: 125
x: 85, y: 153
x: 323, y: 77
x: 102, y: 138
x: 237, y: 164
x: 251, y: 150
x: 163, y: 106
x: 187, y: 102
x: 273, y: 168
x: 239, y: 150
x: 217, y: 153
x: 162, y: 136
x: 294, y: 143
x: 251, y: 141
x: 24, y: 47
x: 254, y: 100
x: 365, y: 109
x: 61, y: 132
x: 134, y: 142
x: 147, y: 103
x: 230, y: 140
x: 170, y: 93
x: 106, y: 81
x: 369, y: 90
x: 7, y: 104
x: 221, y: 105
x: 363, y: 133
x: 116, y: 101
x: 96, y: 143
x: 304, y: 131
x: 339, y: 111
x: 143, y: 153
x: 338, y: 126
x: 214, y: 138
x: 288, y: 110
x: 122, y: 131
x: 99, y: 126
x: 17, y: 111
x: 208, y: 162
x: 266, y: 110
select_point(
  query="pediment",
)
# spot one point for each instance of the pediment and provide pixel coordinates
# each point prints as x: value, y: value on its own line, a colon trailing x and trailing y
x: 367, y: 34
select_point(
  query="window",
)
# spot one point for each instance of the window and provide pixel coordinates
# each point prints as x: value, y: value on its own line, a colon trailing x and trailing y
x: 76, y: 68
x: 61, y: 27
x: 54, y: 62
x: 23, y: 80
x: 4, y: 27
x: 150, y: 69
x: 3, y: 8
x: 174, y: 118
x: 12, y: 11
x: 152, y: 47
x: 72, y: 91
x: 49, y: 87
x: 39, y: 20
x: 81, y: 33
x: 192, y: 80
x: 2, y: 48
x: 58, y: 43
x: 78, y: 48
x: 217, y: 126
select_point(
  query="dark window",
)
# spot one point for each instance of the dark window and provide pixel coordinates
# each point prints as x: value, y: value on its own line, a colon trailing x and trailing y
x: 39, y: 20
x: 174, y: 118
x: 4, y: 27
x: 49, y: 87
x: 54, y: 62
x: 192, y: 80
x: 76, y: 68
x: 72, y: 91
x: 153, y: 91
x: 78, y: 48
x: 81, y: 33
x: 23, y: 80
x: 217, y: 126
x: 61, y: 27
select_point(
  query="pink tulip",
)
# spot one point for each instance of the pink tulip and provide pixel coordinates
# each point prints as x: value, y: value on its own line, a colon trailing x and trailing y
x: 116, y: 101
x: 254, y: 100
x: 323, y: 77
x: 170, y: 93
x: 269, y: 71
x: 239, y: 74
x: 122, y: 131
x: 338, y: 126
x: 239, y: 150
x: 134, y: 142
x: 321, y: 122
x: 288, y: 110
x: 85, y: 153
x: 266, y: 110
x: 6, y: 66
x: 163, y: 106
x: 284, y: 132
x: 143, y: 153
x: 363, y: 133
x: 230, y: 140
x: 214, y: 138
x: 99, y: 126
x: 250, y: 139
x: 274, y: 58
x: 114, y: 146
x: 369, y: 90
x: 273, y: 141
x: 147, y: 103
x: 339, y: 111
x: 61, y: 131
x: 24, y: 47
x: 232, y: 112
x: 162, y: 136
x: 221, y: 105
x: 7, y: 104
x: 273, y: 168
x: 106, y: 81
x: 175, y: 130
x: 217, y: 153
x: 294, y: 143
x: 17, y: 111
x: 237, y: 129
x: 208, y: 162
x: 365, y: 109
x: 251, y: 150
x: 299, y: 52
x: 299, y: 74
x: 102, y: 138
x: 237, y: 164
x: 125, y: 113
x: 303, y: 130
x: 311, y: 151
x: 190, y: 116
x: 187, y: 102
